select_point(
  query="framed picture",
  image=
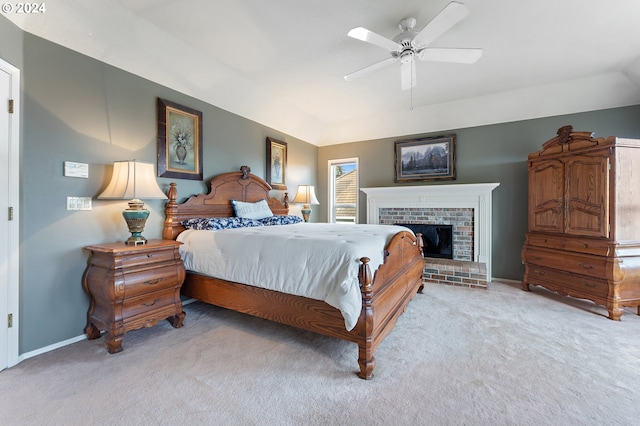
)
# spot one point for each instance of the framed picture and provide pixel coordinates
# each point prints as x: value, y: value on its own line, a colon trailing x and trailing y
x: 432, y: 158
x: 276, y: 164
x: 179, y: 141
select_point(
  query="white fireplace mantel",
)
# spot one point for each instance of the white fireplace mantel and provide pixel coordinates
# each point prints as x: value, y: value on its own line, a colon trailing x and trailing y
x: 476, y: 196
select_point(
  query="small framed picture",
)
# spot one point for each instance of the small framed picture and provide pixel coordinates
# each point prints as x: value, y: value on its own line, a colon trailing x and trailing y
x: 276, y: 164
x: 179, y: 141
x: 432, y: 158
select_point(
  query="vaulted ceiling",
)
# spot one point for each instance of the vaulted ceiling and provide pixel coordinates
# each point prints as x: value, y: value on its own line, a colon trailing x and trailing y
x: 281, y: 62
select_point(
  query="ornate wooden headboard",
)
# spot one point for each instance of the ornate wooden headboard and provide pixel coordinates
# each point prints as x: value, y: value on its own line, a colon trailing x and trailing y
x: 241, y: 186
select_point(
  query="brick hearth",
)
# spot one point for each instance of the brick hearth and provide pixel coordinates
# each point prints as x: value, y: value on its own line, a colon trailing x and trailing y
x: 455, y: 272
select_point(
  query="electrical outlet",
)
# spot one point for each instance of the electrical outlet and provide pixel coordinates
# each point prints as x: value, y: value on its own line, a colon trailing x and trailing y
x: 78, y: 203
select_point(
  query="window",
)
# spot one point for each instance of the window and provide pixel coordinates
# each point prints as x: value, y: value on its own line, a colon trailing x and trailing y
x: 343, y: 190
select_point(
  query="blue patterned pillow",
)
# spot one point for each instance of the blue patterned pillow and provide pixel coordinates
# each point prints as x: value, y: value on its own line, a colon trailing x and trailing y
x: 281, y: 220
x: 209, y: 223
x: 257, y: 210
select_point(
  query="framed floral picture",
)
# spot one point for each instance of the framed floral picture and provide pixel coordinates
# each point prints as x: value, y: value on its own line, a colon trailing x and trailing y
x: 179, y: 141
x: 431, y: 158
x: 276, y: 164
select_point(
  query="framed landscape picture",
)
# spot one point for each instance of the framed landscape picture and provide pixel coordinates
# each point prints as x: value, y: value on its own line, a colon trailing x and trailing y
x: 179, y: 141
x: 432, y: 158
x: 276, y: 164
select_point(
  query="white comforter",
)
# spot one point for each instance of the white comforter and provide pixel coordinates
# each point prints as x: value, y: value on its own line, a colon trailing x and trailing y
x: 315, y: 260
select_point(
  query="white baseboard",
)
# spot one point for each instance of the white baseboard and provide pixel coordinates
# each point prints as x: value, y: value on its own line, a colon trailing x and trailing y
x: 52, y: 347
x: 506, y: 280
x: 59, y: 345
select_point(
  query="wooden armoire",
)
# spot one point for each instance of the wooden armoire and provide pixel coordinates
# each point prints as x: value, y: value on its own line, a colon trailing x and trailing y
x: 584, y: 219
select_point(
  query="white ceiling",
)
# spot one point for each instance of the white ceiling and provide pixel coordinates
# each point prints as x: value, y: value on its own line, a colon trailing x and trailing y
x: 281, y: 63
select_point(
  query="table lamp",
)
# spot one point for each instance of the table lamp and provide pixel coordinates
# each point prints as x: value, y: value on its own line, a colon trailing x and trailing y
x: 306, y: 196
x: 136, y: 181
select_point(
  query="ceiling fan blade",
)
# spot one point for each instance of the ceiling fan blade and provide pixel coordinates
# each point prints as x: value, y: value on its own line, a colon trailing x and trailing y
x: 452, y: 13
x: 373, y: 38
x: 459, y: 56
x: 369, y: 69
x: 408, y: 75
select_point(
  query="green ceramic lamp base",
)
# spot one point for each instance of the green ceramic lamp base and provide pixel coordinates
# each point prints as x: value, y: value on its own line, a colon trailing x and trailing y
x: 306, y: 212
x: 136, y: 217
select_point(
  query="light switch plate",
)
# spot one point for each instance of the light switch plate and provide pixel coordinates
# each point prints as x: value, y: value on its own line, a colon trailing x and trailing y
x: 78, y: 203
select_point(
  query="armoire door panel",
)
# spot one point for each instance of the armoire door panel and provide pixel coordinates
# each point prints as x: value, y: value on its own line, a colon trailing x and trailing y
x: 587, y: 194
x: 546, y: 192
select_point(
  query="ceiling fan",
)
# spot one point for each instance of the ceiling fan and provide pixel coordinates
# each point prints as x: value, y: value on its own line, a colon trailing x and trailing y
x: 410, y: 44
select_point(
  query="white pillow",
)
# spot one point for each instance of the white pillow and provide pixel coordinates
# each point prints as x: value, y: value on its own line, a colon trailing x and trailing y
x: 257, y: 210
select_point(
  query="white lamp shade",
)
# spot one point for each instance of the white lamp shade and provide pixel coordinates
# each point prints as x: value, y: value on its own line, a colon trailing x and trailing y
x: 132, y: 180
x: 306, y: 195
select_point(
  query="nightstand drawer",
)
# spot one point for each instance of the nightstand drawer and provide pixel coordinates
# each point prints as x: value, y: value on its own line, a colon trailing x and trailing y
x: 145, y: 258
x: 147, y: 303
x: 142, y: 282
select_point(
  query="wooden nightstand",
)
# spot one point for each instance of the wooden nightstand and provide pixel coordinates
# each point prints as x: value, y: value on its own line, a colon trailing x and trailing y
x: 132, y: 287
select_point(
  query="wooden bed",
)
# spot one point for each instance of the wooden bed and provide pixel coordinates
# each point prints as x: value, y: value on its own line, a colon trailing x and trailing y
x: 385, y: 294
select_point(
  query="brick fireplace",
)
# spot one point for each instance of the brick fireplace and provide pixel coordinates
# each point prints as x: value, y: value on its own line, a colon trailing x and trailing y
x: 467, y: 207
x: 460, y: 218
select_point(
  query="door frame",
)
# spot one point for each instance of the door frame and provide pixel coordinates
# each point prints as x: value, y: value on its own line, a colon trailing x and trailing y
x: 331, y: 185
x: 13, y: 195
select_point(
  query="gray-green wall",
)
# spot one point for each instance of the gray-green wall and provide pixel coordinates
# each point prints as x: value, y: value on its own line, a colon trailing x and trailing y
x: 496, y: 153
x: 75, y: 108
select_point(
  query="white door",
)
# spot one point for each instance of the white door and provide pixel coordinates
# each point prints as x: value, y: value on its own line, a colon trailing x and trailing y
x: 9, y: 190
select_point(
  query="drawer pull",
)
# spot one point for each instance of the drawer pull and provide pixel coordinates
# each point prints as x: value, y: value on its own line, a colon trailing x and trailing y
x: 540, y: 272
x: 150, y: 303
x: 586, y: 265
x: 534, y: 257
x: 149, y: 255
x: 590, y: 285
x: 152, y: 282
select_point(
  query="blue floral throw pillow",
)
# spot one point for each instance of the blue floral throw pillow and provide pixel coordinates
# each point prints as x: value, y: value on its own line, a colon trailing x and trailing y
x: 281, y: 220
x: 213, y: 223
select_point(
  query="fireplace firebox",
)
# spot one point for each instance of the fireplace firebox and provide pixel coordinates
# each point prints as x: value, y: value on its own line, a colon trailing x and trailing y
x: 437, y: 239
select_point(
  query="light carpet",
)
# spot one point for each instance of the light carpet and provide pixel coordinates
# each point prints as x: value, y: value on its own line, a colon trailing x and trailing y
x: 457, y: 356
